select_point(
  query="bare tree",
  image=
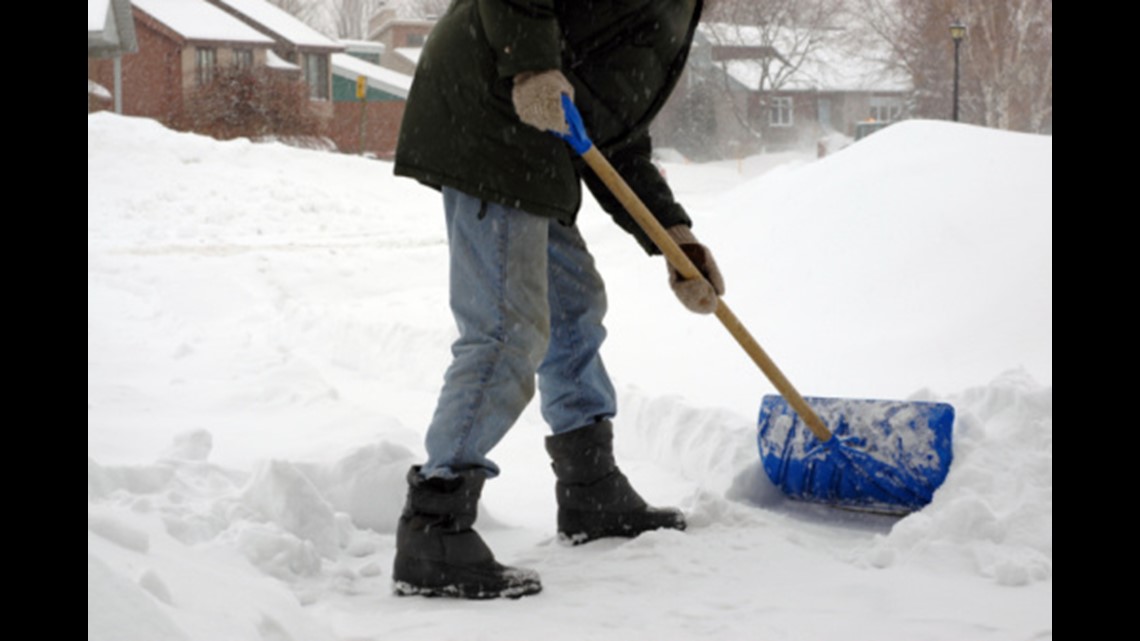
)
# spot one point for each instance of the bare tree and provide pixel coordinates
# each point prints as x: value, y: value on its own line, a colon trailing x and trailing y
x: 1006, y: 58
x: 312, y: 12
x: 773, y: 39
x: 350, y: 17
x: 431, y: 8
x: 1011, y: 53
x: 305, y: 10
x: 905, y: 26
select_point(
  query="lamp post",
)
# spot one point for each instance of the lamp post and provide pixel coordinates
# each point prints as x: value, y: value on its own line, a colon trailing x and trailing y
x: 957, y: 32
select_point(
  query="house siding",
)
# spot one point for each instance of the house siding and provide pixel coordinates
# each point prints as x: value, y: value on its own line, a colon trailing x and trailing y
x: 159, y: 79
x: 714, y: 114
x: 381, y: 126
x: 296, y: 53
x: 152, y: 84
x: 847, y: 109
x: 398, y: 35
x: 344, y: 90
x: 164, y: 72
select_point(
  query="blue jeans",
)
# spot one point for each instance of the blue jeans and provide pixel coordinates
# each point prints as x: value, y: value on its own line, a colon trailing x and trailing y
x: 528, y: 301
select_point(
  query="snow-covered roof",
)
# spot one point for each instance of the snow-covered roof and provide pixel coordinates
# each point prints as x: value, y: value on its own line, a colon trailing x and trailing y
x: 363, y: 46
x: 274, y: 61
x: 97, y: 90
x: 731, y: 34
x: 282, y: 23
x: 833, y: 63
x: 378, y: 77
x: 837, y: 70
x: 826, y: 73
x: 200, y: 20
x: 411, y: 53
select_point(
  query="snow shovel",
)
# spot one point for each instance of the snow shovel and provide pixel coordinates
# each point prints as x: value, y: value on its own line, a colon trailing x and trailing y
x: 876, y: 456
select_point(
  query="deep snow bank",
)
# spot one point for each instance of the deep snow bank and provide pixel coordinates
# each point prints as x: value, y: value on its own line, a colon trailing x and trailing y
x: 919, y: 257
x: 267, y: 328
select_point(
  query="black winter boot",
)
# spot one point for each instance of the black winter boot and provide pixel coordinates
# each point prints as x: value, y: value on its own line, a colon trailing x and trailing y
x: 437, y: 552
x: 595, y: 499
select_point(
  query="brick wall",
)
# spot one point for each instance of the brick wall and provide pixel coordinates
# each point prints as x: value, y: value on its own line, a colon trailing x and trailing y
x: 381, y: 126
x: 151, y: 77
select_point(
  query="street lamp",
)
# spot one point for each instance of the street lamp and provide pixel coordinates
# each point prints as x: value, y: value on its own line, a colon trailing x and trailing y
x: 957, y: 32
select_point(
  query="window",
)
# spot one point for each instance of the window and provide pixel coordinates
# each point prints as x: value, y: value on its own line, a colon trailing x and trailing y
x: 823, y: 112
x: 415, y: 40
x: 243, y: 58
x: 207, y: 59
x: 886, y: 109
x: 780, y: 112
x: 317, y: 75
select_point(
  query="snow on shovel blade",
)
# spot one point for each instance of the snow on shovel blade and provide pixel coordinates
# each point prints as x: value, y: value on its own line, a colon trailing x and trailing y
x: 883, y: 456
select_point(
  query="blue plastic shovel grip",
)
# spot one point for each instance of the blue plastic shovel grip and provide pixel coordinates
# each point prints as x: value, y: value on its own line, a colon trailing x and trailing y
x: 577, y: 137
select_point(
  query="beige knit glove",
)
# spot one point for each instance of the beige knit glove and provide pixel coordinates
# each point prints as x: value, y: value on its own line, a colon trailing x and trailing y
x: 697, y: 294
x: 537, y: 97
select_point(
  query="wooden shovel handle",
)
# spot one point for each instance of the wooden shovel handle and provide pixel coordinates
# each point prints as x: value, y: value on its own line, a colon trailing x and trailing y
x: 682, y: 264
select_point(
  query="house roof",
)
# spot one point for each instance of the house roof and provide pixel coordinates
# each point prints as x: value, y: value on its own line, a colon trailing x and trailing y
x: 837, y: 70
x: 201, y: 21
x: 826, y: 73
x: 378, y: 77
x: 274, y: 61
x: 281, y: 23
x: 110, y: 28
x: 363, y: 46
x: 834, y: 64
x: 412, y: 54
x: 723, y: 33
x: 97, y: 90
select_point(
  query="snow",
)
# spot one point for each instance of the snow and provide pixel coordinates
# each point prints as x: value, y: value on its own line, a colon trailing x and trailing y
x: 837, y: 69
x: 98, y: 90
x: 274, y: 61
x: 268, y: 328
x: 824, y: 71
x: 281, y: 23
x: 362, y: 46
x: 411, y: 54
x: 833, y: 64
x: 378, y: 77
x: 200, y: 20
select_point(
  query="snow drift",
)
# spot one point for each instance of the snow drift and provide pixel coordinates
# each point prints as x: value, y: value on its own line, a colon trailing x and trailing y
x: 267, y: 330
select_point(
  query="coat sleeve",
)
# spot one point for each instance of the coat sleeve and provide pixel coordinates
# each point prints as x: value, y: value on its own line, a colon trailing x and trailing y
x: 523, y: 34
x: 634, y: 163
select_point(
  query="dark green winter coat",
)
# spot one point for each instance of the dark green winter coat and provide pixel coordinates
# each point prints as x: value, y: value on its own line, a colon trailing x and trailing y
x: 623, y: 57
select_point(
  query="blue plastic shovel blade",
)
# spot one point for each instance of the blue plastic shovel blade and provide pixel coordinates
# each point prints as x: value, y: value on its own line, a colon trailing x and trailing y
x: 883, y: 456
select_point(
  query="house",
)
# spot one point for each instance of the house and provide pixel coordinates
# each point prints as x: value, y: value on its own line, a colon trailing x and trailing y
x: 749, y: 89
x: 184, y: 46
x: 368, y: 103
x: 366, y: 50
x: 110, y: 34
x: 181, y: 46
x: 371, y: 80
x: 293, y: 41
x: 832, y: 90
x: 402, y: 32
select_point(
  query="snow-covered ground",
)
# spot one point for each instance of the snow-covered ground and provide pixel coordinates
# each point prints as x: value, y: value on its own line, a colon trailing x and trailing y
x: 267, y: 330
